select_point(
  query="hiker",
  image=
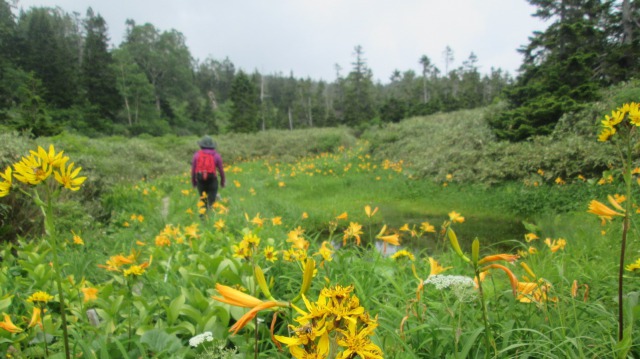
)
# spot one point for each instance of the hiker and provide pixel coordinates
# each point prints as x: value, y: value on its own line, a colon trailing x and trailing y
x: 203, y: 171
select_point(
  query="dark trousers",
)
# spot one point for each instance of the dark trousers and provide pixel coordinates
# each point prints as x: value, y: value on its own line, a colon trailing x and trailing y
x: 208, y: 186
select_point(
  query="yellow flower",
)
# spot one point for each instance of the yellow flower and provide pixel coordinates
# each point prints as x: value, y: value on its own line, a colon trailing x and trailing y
x: 236, y: 183
x: 357, y: 342
x: 270, y: 254
x: 40, y: 296
x: 305, y: 215
x: 427, y: 227
x: 237, y: 298
x: 455, y: 217
x: 326, y: 251
x: 635, y: 266
x: 32, y: 170
x: 343, y: 216
x: 5, y: 186
x: 393, y: 239
x: 134, y: 270
x: 76, y: 239
x: 276, y: 221
x: 36, y: 317
x: 370, y: 213
x: 90, y: 294
x: 68, y: 177
x: 560, y: 181
x: 257, y: 220
x: 403, y: 253
x: 140, y: 218
x: 541, y: 172
x: 556, y: 244
x: 52, y: 158
x: 192, y: 231
x: 530, y: 237
x: 8, y: 325
x: 185, y: 192
x: 281, y: 184
x: 219, y: 224
x: 436, y: 268
x: 353, y: 231
x: 601, y: 210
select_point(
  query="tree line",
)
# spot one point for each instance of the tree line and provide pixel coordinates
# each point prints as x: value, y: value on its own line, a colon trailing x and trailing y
x: 58, y: 72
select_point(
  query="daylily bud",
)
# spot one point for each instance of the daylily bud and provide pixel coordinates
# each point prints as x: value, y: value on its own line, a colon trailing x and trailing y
x: 455, y: 245
x: 262, y: 282
x: 475, y: 251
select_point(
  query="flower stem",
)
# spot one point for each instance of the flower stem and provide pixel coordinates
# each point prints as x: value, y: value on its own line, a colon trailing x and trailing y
x: 49, y: 224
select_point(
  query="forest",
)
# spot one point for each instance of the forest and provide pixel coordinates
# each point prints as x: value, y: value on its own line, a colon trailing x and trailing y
x: 59, y: 72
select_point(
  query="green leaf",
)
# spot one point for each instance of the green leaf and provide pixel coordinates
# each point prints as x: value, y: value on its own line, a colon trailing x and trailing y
x: 174, y: 309
x: 160, y: 342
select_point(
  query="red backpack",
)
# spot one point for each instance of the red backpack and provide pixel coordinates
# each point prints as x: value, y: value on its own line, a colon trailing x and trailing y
x: 205, y: 164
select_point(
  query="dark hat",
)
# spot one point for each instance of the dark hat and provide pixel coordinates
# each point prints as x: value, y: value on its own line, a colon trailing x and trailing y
x: 207, y: 142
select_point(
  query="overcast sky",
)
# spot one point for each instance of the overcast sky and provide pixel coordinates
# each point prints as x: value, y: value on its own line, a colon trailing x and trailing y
x: 309, y: 37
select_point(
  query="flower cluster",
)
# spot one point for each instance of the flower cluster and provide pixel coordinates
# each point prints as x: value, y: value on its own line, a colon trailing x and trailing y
x: 118, y: 262
x: 335, y: 323
x: 201, y: 338
x: 610, y: 124
x: 38, y: 167
x: 443, y: 281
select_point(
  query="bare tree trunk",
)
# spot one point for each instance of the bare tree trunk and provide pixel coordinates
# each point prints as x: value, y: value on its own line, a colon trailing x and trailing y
x: 290, y: 120
x: 126, y: 100
x: 310, y: 115
x: 212, y: 98
x: 262, y: 102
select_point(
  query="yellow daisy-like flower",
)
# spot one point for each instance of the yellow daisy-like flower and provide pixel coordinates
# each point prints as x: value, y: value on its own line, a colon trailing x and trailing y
x: 68, y: 177
x: 40, y: 296
x: 633, y: 267
x: 5, y: 186
x: 270, y: 254
x: 32, y: 170
x: 276, y: 221
x: 52, y: 158
x: 134, y: 270
x: 403, y: 254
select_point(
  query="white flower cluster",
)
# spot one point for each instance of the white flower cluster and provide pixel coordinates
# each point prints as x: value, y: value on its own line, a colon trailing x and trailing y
x: 446, y: 281
x: 201, y: 338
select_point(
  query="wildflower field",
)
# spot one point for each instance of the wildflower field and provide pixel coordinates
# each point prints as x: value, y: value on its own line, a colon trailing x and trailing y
x: 337, y: 254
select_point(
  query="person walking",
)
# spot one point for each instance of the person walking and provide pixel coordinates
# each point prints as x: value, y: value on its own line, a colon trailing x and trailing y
x: 204, y: 165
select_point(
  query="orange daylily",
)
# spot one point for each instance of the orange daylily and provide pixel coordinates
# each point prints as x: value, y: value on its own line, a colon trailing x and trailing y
x: 512, y: 278
x: 8, y: 325
x: 237, y: 298
x: 601, y: 210
x: 499, y: 257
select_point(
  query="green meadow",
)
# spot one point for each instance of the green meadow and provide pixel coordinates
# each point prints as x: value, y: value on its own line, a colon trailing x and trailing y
x: 422, y: 239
